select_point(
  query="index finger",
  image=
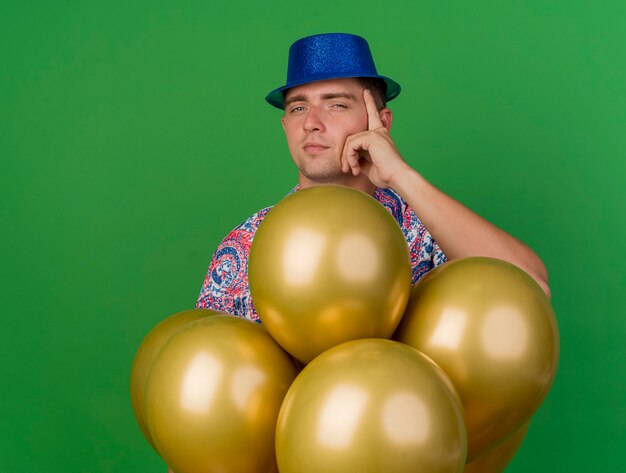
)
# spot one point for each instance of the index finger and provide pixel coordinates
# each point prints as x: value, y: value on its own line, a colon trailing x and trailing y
x: 373, y: 118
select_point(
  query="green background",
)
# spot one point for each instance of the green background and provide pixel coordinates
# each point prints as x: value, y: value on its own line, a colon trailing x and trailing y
x: 134, y: 135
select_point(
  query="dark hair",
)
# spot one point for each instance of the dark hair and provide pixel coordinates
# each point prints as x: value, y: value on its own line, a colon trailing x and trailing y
x: 378, y: 88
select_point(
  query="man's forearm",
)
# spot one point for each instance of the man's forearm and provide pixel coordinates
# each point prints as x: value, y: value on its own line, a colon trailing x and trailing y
x: 462, y: 233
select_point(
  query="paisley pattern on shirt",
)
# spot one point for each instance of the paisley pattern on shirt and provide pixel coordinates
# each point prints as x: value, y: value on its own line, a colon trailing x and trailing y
x: 225, y: 286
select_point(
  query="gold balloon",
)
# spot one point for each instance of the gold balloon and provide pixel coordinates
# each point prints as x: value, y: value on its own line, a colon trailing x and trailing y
x: 147, y: 352
x: 497, y: 459
x: 213, y: 396
x: 371, y: 405
x: 328, y: 264
x: 491, y: 328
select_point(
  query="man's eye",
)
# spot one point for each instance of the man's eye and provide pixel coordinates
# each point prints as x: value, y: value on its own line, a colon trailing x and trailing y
x: 339, y: 105
x: 296, y: 109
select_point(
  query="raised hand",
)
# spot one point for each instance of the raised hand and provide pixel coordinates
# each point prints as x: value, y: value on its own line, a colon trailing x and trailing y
x: 373, y: 152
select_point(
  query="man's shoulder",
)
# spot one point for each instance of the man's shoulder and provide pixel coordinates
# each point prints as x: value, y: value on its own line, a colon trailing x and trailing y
x: 392, y: 201
x: 246, y: 229
x: 388, y: 194
x: 251, y: 224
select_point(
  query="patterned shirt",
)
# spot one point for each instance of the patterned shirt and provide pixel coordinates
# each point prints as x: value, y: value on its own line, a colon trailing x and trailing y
x: 225, y: 286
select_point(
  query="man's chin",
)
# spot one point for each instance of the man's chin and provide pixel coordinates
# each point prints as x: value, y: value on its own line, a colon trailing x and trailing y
x: 321, y: 172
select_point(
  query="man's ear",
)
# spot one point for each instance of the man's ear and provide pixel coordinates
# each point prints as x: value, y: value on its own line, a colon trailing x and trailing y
x: 282, y: 122
x: 386, y: 117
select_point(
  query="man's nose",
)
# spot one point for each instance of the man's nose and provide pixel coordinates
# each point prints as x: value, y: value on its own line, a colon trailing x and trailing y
x: 313, y: 120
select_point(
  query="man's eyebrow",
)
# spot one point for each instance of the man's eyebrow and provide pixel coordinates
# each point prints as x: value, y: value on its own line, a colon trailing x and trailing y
x: 295, y: 98
x: 329, y: 96
x: 339, y: 95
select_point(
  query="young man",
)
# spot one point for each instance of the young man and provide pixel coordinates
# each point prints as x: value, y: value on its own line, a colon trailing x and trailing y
x: 337, y: 127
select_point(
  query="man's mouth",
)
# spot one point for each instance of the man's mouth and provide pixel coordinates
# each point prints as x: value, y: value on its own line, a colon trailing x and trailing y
x: 314, y: 148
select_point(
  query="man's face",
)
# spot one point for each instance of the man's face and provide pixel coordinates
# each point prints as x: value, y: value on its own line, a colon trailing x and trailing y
x: 318, y: 118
